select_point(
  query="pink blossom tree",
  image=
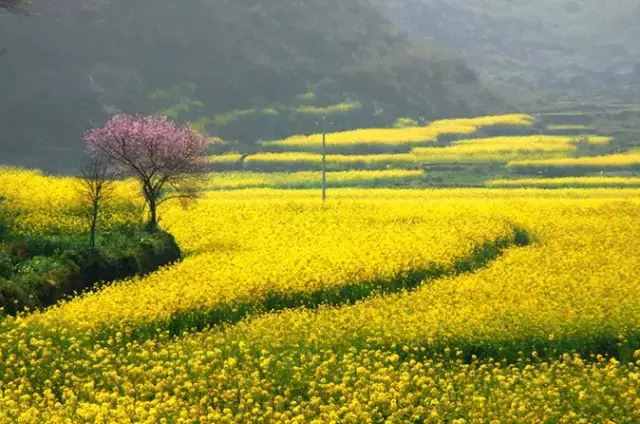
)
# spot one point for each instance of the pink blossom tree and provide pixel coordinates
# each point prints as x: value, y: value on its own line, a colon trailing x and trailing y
x: 164, y: 157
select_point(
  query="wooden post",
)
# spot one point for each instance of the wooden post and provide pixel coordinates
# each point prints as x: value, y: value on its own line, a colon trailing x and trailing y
x: 324, y: 164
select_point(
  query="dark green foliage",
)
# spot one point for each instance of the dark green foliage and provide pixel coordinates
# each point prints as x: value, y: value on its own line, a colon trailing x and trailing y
x: 13, y: 297
x: 248, y: 62
x: 573, y: 171
x: 7, y: 265
x: 7, y: 218
x: 38, y: 272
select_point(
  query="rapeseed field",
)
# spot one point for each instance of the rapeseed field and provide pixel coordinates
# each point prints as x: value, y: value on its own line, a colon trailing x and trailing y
x: 380, y: 305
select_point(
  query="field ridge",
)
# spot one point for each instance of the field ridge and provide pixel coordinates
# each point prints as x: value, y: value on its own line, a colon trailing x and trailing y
x: 198, y: 320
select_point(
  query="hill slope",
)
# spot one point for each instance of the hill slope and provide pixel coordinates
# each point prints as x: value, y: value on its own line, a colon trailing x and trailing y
x: 240, y: 69
x: 558, y: 49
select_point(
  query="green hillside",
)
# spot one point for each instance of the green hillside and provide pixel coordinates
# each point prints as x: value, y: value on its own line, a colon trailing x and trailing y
x: 240, y: 69
x: 536, y: 52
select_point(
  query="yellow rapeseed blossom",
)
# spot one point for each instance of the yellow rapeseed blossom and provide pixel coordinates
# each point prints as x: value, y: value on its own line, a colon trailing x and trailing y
x: 49, y: 204
x: 288, y: 161
x: 581, y: 182
x: 244, y: 180
x: 507, y: 148
x: 544, y: 331
x: 245, y: 253
x: 613, y: 162
x: 407, y: 136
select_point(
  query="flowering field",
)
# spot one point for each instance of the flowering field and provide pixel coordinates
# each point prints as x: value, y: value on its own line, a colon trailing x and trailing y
x: 389, y: 139
x: 567, y: 182
x: 628, y: 161
x: 520, y: 151
x: 52, y: 210
x: 506, y: 148
x: 311, y: 179
x: 457, y: 305
x: 454, y: 152
x: 300, y: 161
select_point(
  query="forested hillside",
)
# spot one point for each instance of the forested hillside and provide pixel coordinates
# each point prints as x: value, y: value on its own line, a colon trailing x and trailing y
x: 242, y: 69
x: 538, y: 53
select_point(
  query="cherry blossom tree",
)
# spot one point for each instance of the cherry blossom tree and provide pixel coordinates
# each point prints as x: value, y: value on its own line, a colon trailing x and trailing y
x: 164, y: 157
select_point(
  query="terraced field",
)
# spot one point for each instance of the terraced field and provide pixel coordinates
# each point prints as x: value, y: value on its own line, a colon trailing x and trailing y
x: 384, y: 140
x: 628, y: 161
x: 506, y: 149
x: 450, y: 305
x: 312, y: 179
x: 567, y: 182
x: 451, y: 153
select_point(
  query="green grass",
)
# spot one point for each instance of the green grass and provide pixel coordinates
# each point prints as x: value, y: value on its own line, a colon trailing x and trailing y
x: 38, y: 271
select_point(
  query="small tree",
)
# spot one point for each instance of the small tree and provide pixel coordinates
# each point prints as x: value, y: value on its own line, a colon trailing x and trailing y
x: 164, y: 157
x: 95, y: 188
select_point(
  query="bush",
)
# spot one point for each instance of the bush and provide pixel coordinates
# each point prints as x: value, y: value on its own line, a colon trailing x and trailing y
x: 6, y: 265
x: 7, y: 219
x: 13, y: 297
x: 57, y: 266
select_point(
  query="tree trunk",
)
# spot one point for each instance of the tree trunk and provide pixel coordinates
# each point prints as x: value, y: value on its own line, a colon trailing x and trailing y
x: 92, y: 235
x: 95, y: 214
x: 152, y: 225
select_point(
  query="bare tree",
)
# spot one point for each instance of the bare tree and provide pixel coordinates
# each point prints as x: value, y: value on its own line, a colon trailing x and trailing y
x: 95, y: 188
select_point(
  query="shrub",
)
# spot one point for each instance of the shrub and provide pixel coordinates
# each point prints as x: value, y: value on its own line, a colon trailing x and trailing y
x: 7, y: 218
x: 6, y: 265
x: 51, y: 268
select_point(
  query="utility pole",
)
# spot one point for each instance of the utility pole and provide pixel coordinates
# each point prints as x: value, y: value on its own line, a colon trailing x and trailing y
x: 324, y: 163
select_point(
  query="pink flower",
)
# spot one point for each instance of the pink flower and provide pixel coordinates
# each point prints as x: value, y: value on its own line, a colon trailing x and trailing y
x: 158, y: 152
